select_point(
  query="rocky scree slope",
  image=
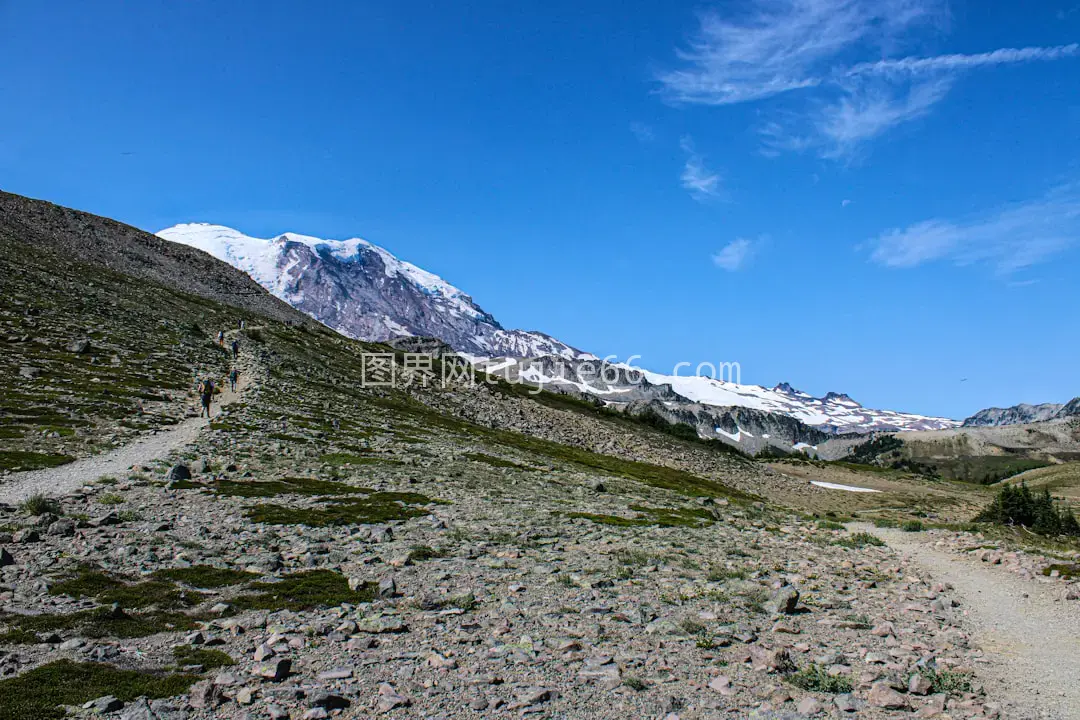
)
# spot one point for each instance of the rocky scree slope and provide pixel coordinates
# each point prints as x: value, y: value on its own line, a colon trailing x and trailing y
x: 103, y: 243
x: 327, y: 549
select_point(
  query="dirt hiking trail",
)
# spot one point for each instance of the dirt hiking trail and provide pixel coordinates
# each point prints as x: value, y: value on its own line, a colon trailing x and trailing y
x: 1030, y: 636
x: 66, y: 478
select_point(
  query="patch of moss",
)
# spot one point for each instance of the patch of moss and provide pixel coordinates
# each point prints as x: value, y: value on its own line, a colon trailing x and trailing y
x: 341, y: 458
x: 22, y: 460
x: 615, y: 520
x: 495, y: 461
x: 377, y: 507
x: 109, y: 589
x: 95, y: 623
x: 649, y: 516
x: 205, y: 576
x: 151, y: 593
x: 1065, y: 570
x: 87, y: 582
x: 186, y: 655
x: 40, y: 692
x: 305, y: 591
x: 285, y: 486
x: 419, y: 553
x: 676, y: 517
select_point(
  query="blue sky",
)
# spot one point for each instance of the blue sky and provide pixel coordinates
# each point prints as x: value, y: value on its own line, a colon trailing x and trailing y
x: 880, y: 197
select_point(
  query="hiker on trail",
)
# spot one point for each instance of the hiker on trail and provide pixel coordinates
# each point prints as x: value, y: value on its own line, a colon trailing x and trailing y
x: 233, y: 376
x: 206, y: 394
x: 235, y: 349
x: 221, y: 338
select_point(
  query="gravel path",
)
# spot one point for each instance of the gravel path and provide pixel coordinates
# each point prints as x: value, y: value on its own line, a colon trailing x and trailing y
x: 64, y: 479
x: 1029, y: 635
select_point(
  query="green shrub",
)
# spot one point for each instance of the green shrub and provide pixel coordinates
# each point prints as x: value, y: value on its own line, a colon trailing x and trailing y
x: 949, y: 682
x: 1018, y: 505
x: 860, y: 540
x: 870, y: 451
x: 912, y: 526
x: 815, y: 678
x: 40, y: 504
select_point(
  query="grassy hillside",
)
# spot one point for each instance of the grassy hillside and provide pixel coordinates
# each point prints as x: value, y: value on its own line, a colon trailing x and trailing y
x: 90, y: 357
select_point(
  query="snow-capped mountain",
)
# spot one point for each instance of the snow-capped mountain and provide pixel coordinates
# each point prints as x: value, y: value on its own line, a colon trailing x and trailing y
x: 363, y: 291
x: 1023, y: 414
x: 619, y: 384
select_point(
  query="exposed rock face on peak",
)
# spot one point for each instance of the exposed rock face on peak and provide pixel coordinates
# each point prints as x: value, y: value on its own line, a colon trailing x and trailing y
x: 1023, y: 414
x: 364, y: 292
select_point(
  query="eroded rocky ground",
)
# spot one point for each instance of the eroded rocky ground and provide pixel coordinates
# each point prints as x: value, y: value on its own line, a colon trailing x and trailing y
x: 346, y: 553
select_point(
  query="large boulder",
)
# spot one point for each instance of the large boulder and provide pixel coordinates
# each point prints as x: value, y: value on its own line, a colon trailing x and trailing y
x: 179, y: 472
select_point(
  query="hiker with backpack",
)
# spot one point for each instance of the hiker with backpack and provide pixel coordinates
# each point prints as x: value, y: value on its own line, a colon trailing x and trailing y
x: 234, y: 375
x: 206, y: 395
x: 235, y: 349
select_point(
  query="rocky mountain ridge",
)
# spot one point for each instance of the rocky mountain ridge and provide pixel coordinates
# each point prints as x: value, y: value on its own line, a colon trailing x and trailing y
x: 618, y: 385
x: 1023, y: 414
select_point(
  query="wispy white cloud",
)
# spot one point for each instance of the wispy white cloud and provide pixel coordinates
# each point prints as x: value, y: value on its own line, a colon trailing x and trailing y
x: 734, y: 255
x: 786, y: 46
x: 1011, y: 238
x: 861, y: 115
x: 1004, y: 56
x: 697, y: 179
x: 780, y: 45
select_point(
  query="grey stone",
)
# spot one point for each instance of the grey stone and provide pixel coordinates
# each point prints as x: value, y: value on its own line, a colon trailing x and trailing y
x: 784, y: 601
x: 179, y: 472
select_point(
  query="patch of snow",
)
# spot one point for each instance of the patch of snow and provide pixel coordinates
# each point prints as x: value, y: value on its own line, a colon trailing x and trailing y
x: 737, y: 437
x: 835, y: 486
x: 260, y: 258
